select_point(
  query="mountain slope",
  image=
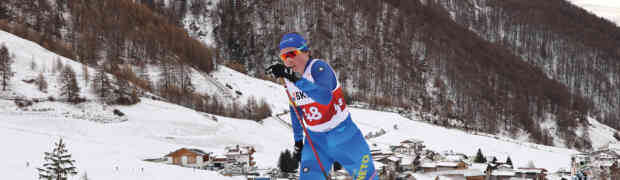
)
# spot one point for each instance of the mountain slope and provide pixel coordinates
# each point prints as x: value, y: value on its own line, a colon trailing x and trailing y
x: 567, y: 43
x: 153, y: 128
x: 410, y: 54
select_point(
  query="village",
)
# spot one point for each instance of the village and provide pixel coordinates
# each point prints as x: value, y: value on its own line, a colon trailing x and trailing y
x: 394, y: 162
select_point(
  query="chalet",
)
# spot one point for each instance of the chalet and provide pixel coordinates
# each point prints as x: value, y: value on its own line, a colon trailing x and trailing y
x: 605, y: 156
x: 240, y: 154
x: 400, y: 149
x: 427, y: 166
x: 531, y: 173
x: 188, y: 157
x: 390, y: 163
x: 406, y: 164
x: 379, y: 154
x: 412, y: 146
x: 451, y: 165
x: 219, y: 162
x: 464, y: 174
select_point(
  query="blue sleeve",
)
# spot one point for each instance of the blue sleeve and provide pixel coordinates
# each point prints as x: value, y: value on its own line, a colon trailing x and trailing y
x: 324, y: 83
x: 298, y: 133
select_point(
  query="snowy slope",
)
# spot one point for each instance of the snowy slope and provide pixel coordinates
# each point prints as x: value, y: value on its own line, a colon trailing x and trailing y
x: 154, y: 128
x: 608, y: 9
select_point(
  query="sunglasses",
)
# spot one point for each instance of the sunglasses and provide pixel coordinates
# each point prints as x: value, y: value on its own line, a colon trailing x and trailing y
x: 291, y: 54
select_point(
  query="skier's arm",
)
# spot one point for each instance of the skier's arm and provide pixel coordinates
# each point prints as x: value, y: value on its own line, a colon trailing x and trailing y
x: 324, y: 83
x: 297, y: 129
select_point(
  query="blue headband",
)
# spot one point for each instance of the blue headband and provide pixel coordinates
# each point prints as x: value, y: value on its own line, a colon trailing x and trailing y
x: 293, y: 40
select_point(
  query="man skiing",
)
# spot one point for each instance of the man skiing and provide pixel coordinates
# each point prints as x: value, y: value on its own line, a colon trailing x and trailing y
x: 317, y: 96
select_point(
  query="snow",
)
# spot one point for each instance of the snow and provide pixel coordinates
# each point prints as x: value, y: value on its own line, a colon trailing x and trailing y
x: 152, y: 129
x: 608, y: 9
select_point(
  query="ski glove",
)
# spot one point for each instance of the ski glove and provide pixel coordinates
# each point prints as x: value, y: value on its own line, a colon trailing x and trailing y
x: 299, y: 145
x: 280, y: 70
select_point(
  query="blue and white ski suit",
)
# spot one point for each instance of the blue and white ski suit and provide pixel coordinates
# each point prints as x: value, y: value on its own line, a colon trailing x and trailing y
x: 336, y: 138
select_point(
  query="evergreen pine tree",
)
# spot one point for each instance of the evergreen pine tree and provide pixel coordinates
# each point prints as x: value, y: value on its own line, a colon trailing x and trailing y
x: 33, y: 64
x: 5, y: 67
x: 144, y: 75
x: 69, y: 86
x: 58, y: 164
x: 479, y: 157
x: 286, y: 162
x: 337, y: 166
x: 123, y: 92
x: 508, y: 161
x: 85, y: 74
x: 101, y: 83
x: 41, y: 83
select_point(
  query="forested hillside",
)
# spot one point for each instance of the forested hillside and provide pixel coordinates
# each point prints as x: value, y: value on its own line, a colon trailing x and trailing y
x: 569, y: 44
x: 533, y: 69
x: 428, y: 56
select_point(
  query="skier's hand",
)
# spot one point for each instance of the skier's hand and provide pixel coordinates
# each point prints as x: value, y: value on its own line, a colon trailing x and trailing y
x: 299, y: 145
x: 280, y: 70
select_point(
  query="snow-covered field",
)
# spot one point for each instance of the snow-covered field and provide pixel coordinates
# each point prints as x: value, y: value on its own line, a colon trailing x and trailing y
x: 152, y: 129
x: 608, y: 9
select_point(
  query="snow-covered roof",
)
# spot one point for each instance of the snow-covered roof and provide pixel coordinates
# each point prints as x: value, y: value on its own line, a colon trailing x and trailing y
x: 454, y: 158
x: 393, y: 158
x: 531, y: 170
x: 448, y: 164
x: 464, y: 172
x: 406, y: 161
x: 503, y: 173
x: 198, y: 152
x: 428, y: 165
x: 411, y: 140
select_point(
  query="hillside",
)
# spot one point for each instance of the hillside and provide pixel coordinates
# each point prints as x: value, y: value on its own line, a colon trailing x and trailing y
x: 475, y: 65
x: 414, y: 55
x: 152, y: 128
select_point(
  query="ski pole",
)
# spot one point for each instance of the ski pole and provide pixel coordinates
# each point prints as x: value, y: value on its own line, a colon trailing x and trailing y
x: 316, y: 155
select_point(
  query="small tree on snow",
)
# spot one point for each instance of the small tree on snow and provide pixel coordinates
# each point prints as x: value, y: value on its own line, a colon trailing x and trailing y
x: 41, y: 83
x: 69, y: 86
x: 5, y: 67
x: 479, y: 157
x: 85, y: 74
x: 509, y: 161
x: 286, y: 162
x: 58, y: 164
x: 101, y: 83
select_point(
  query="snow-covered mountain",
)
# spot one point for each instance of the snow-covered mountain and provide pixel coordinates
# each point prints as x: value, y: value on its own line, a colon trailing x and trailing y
x: 116, y: 149
x: 608, y: 9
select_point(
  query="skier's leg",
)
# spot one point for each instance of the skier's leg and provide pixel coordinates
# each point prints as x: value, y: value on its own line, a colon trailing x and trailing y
x: 309, y: 168
x: 352, y: 152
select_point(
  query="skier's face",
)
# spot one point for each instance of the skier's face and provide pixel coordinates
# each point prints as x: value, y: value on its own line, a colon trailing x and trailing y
x: 298, y: 62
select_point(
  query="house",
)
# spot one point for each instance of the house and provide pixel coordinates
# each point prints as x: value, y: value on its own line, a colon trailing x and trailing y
x: 427, y: 166
x: 218, y: 162
x: 451, y: 165
x: 412, y: 146
x: 240, y: 154
x: 406, y: 164
x: 188, y: 157
x: 400, y: 149
x: 531, y: 173
x: 464, y: 174
x: 390, y: 163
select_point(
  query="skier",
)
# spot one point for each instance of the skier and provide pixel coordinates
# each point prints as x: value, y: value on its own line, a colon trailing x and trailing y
x: 318, y: 97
